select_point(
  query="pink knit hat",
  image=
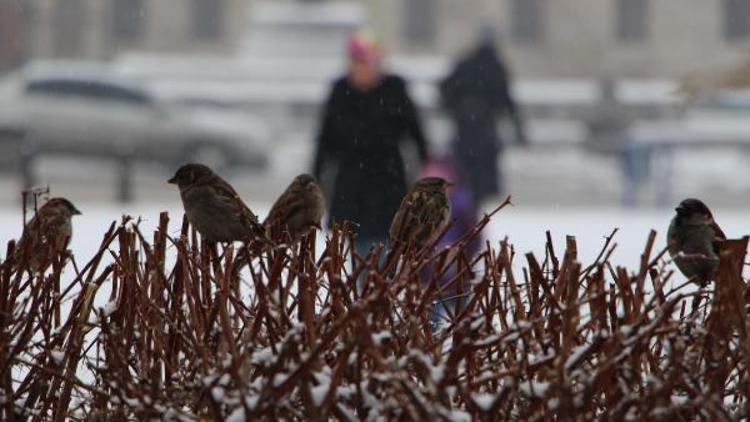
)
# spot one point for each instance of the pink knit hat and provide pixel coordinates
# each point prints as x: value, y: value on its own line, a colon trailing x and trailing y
x: 363, y: 45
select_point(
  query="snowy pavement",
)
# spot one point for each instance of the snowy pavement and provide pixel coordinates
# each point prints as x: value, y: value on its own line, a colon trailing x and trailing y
x: 570, y: 192
x: 524, y: 226
x: 538, y: 177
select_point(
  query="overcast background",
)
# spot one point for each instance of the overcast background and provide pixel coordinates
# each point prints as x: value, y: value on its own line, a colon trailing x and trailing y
x: 630, y: 105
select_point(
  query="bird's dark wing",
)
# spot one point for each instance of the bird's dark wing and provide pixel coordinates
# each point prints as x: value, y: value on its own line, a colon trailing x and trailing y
x: 225, y: 191
x: 31, y: 233
x: 719, y: 236
x: 414, y: 219
x: 434, y: 215
x: 47, y: 222
x: 45, y: 233
x: 223, y: 188
x: 401, y: 221
x: 287, y: 205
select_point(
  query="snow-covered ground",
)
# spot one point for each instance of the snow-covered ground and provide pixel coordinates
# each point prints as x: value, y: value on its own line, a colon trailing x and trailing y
x: 539, y: 176
x: 535, y: 177
x: 569, y: 192
x: 524, y: 226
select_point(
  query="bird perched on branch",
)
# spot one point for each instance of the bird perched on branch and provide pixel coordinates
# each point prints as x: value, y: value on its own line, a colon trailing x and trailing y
x: 298, y: 209
x: 694, y: 240
x: 424, y: 212
x: 48, y: 233
x: 213, y: 207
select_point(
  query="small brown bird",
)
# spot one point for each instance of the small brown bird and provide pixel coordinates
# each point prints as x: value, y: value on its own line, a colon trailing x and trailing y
x: 694, y: 240
x: 48, y: 233
x: 423, y: 213
x: 213, y: 206
x: 299, y: 208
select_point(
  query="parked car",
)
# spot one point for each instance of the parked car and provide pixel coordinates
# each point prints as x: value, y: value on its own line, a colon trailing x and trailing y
x: 98, y: 113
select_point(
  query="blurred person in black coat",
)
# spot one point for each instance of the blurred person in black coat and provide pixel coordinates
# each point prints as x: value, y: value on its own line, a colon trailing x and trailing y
x: 367, y: 116
x: 475, y: 94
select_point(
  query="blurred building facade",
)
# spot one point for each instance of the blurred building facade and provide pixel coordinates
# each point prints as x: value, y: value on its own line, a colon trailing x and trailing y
x: 100, y: 29
x: 543, y: 38
x: 560, y: 38
x: 14, y: 24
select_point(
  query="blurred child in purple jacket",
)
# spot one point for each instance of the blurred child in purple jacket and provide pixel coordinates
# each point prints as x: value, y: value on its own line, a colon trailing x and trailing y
x: 464, y: 218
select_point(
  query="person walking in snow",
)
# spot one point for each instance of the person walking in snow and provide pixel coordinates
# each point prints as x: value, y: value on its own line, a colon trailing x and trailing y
x: 475, y: 94
x: 367, y: 116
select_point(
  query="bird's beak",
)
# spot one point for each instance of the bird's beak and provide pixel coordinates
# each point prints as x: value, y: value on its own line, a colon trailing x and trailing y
x: 449, y: 184
x: 680, y: 210
x: 173, y: 180
x: 76, y: 211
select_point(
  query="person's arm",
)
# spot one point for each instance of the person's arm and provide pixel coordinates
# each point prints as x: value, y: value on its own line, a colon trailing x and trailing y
x: 448, y: 88
x: 325, y: 141
x: 509, y: 104
x: 520, y: 129
x: 413, y: 124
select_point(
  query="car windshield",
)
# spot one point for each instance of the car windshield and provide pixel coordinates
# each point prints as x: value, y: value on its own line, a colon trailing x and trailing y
x: 88, y: 89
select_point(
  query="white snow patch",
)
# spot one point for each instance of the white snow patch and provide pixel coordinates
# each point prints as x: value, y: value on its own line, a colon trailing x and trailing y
x: 324, y: 376
x: 680, y: 400
x: 319, y: 393
x: 460, y: 416
x: 484, y: 400
x: 487, y: 341
x: 262, y: 357
x: 218, y: 394
x: 238, y: 415
x: 134, y: 403
x: 437, y: 372
x: 534, y: 388
x: 108, y: 309
x: 58, y: 356
x: 279, y: 379
x: 251, y: 402
x: 576, y: 355
x: 348, y: 412
x: 224, y: 380
x: 477, y: 324
x: 346, y: 392
x: 521, y: 325
x: 511, y: 337
x: 534, y: 360
x: 370, y: 401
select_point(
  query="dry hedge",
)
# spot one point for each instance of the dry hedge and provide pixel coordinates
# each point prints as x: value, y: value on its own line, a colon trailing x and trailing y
x: 194, y: 332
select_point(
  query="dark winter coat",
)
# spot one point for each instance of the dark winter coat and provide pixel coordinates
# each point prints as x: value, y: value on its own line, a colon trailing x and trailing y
x: 360, y: 136
x: 475, y: 94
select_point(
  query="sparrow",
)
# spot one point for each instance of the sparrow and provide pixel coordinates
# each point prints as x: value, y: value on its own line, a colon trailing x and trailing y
x: 424, y: 212
x: 299, y: 208
x: 48, y: 233
x: 213, y: 207
x: 694, y: 240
